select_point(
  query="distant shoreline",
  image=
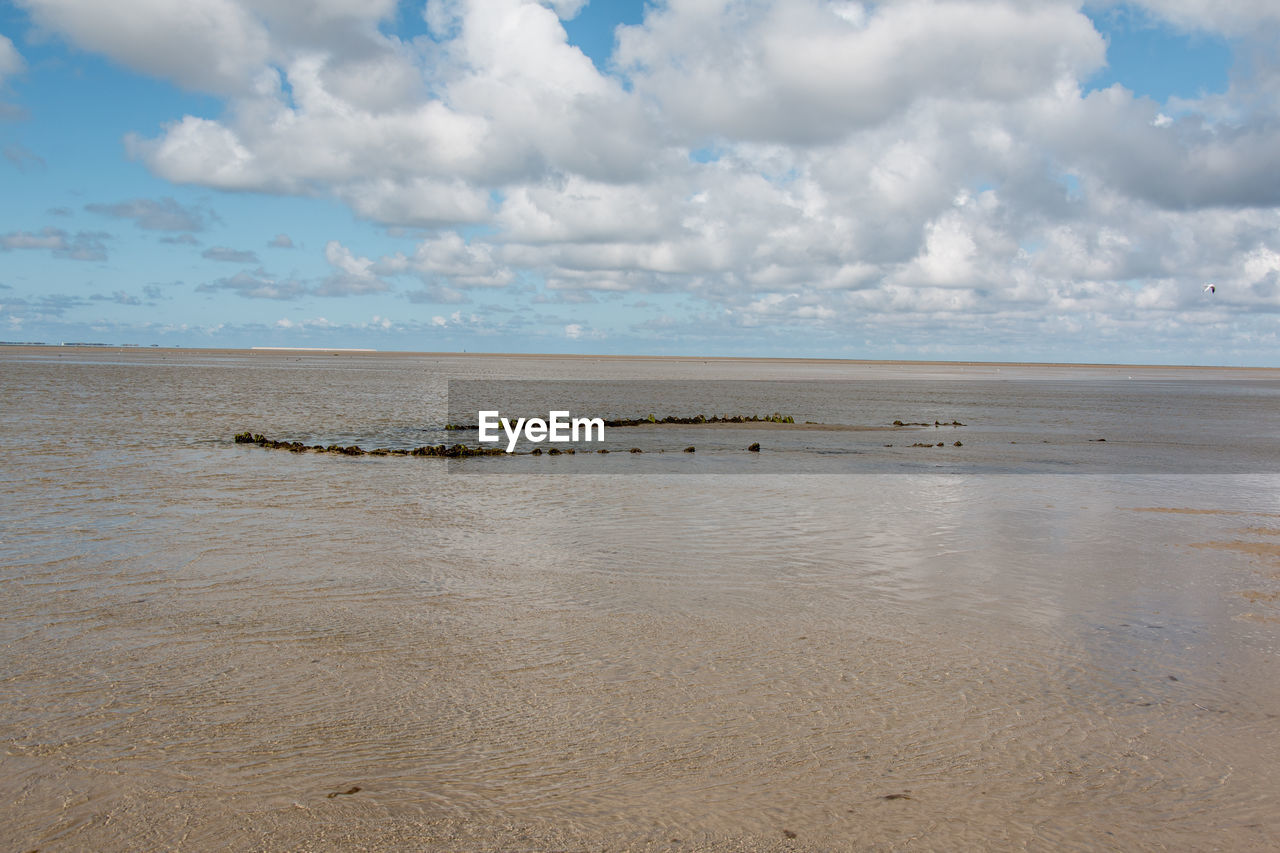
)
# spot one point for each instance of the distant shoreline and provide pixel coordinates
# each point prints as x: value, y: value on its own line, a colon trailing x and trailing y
x: 17, y: 347
x: 316, y: 349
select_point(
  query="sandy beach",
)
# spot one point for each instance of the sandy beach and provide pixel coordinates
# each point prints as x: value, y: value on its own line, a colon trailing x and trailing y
x: 213, y: 645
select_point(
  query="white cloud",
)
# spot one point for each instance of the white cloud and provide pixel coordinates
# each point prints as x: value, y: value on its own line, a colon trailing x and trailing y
x: 918, y: 165
x: 353, y: 276
x: 313, y: 323
x: 581, y: 332
x: 457, y: 319
x: 805, y: 71
x: 410, y: 138
x: 10, y: 60
x: 450, y: 260
x: 417, y: 201
x: 211, y: 45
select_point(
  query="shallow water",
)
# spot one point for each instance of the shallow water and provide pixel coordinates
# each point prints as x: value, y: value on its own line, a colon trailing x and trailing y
x: 205, y: 643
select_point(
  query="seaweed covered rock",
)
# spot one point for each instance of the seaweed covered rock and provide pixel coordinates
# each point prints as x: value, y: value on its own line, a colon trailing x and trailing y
x: 452, y: 452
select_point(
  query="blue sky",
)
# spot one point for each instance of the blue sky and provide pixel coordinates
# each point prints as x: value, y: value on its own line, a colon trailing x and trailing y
x: 920, y: 179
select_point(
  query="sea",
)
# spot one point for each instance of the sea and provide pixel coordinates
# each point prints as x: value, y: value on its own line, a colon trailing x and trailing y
x: 1041, y: 613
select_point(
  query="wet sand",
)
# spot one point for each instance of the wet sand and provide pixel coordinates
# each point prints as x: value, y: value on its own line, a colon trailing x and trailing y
x: 211, y: 646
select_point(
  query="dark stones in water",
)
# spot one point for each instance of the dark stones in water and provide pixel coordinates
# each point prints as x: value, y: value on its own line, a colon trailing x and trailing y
x: 923, y: 424
x: 354, y: 789
x: 450, y: 451
x: 455, y: 451
x: 775, y: 418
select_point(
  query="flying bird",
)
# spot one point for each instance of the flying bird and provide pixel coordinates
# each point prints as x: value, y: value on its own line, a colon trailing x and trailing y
x: 1209, y: 288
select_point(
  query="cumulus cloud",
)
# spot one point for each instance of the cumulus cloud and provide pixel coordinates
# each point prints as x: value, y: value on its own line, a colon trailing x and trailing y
x: 211, y: 45
x: 352, y: 276
x: 449, y: 258
x: 505, y: 98
x: 806, y: 71
x: 1187, y: 163
x: 164, y: 214
x: 280, y: 241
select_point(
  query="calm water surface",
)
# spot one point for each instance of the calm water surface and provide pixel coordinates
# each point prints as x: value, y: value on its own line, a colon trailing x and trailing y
x: 1051, y: 644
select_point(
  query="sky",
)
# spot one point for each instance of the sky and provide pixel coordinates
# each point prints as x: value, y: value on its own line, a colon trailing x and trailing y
x: 991, y: 180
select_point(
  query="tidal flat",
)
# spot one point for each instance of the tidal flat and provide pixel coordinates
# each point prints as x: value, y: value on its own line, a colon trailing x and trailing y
x: 1034, y: 640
